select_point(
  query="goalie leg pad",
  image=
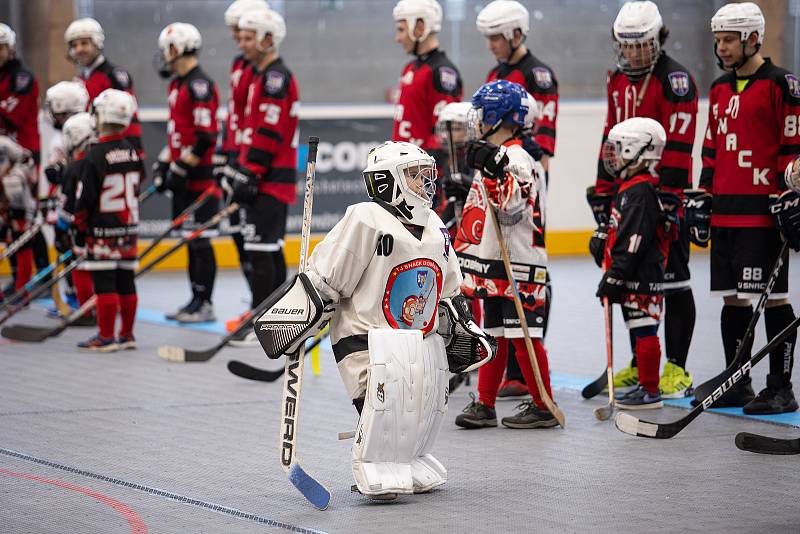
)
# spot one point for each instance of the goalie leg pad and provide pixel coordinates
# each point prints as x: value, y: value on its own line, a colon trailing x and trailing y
x: 294, y: 312
x: 403, y: 410
x: 467, y: 345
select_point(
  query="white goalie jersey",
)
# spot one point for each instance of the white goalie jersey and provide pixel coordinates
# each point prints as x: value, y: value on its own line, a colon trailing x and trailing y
x: 382, y: 276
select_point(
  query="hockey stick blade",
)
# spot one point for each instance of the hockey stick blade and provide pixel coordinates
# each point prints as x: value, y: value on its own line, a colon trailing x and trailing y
x: 29, y: 334
x: 595, y: 388
x: 313, y: 491
x: 178, y: 354
x: 249, y: 372
x: 766, y: 445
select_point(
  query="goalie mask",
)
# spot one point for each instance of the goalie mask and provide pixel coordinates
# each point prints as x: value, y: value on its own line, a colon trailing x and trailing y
x: 403, y: 176
x: 78, y: 132
x: 638, y: 34
x: 633, y: 141
x: 63, y: 100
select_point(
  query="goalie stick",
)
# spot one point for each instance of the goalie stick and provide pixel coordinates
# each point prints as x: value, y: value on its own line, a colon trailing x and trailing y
x: 632, y: 425
x: 250, y: 372
x: 703, y: 390
x: 603, y: 413
x: 180, y: 219
x: 36, y: 334
x: 21, y: 240
x: 766, y: 445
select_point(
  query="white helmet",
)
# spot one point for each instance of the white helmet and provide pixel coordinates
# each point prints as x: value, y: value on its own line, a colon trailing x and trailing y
x: 633, y: 141
x: 7, y: 36
x: 78, y: 131
x: 65, y: 97
x: 403, y: 176
x: 239, y: 8
x: 453, y: 121
x: 412, y: 10
x: 12, y: 151
x: 87, y: 28
x: 113, y: 106
x: 744, y: 18
x: 502, y: 17
x: 264, y: 22
x: 534, y: 112
x: 184, y: 37
x: 637, y: 30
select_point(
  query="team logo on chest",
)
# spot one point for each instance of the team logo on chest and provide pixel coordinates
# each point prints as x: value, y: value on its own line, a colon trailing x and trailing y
x: 679, y: 81
x: 794, y: 85
x: 412, y: 295
x: 542, y: 77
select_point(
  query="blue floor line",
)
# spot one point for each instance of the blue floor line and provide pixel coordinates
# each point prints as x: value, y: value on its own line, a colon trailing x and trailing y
x: 157, y: 318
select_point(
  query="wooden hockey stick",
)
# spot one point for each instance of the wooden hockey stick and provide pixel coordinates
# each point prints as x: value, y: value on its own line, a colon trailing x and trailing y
x: 523, y: 323
x: 26, y: 236
x: 603, y: 413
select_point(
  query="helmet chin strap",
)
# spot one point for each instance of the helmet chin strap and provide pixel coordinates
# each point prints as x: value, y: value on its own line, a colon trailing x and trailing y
x: 513, y: 48
x: 738, y: 64
x: 622, y: 172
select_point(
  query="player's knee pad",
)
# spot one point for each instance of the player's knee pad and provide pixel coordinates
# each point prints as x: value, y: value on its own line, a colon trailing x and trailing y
x: 404, y: 407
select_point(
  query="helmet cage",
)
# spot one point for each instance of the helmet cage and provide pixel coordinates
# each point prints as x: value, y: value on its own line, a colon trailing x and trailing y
x: 636, y: 56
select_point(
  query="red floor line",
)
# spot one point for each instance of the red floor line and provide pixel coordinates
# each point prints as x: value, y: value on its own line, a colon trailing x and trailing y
x: 134, y: 521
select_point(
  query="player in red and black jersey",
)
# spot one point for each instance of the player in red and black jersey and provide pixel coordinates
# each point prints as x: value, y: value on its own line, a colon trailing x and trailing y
x: 429, y: 82
x: 264, y: 178
x: 505, y: 24
x: 85, y: 39
x: 187, y: 169
x: 752, y: 136
x: 649, y: 83
x: 107, y: 219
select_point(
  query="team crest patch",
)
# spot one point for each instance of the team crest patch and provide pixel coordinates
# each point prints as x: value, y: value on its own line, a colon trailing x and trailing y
x: 122, y: 78
x: 200, y: 89
x: 794, y: 85
x: 22, y: 80
x: 449, y: 78
x: 679, y: 81
x: 411, y: 296
x: 274, y: 82
x: 542, y: 77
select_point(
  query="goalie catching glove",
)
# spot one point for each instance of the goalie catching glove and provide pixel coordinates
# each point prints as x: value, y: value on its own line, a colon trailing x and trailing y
x: 294, y: 312
x: 467, y: 346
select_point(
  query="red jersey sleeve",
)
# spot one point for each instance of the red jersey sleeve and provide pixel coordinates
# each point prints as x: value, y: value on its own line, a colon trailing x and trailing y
x: 787, y: 108
x: 19, y: 106
x: 604, y: 185
x: 709, y: 150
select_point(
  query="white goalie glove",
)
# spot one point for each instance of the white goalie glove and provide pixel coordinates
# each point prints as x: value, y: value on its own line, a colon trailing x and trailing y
x: 468, y: 347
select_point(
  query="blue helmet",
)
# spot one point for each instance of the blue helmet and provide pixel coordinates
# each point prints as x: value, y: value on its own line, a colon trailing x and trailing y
x: 501, y: 101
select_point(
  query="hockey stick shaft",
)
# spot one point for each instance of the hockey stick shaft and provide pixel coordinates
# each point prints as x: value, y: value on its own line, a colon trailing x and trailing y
x: 710, y: 385
x: 523, y: 323
x: 250, y: 372
x: 26, y: 236
x: 30, y: 284
x: 180, y: 219
x: 605, y: 412
x: 147, y: 193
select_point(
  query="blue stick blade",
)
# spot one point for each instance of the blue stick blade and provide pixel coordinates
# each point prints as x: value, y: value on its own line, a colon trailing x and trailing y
x: 310, y: 488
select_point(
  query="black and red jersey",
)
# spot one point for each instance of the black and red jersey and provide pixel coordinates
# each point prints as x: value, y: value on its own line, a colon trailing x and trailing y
x: 192, y: 124
x: 669, y: 96
x: 538, y: 79
x: 19, y: 105
x: 427, y: 85
x: 269, y: 132
x: 638, y: 240
x: 105, y: 75
x: 69, y: 186
x: 106, y: 204
x: 751, y: 137
x: 241, y: 76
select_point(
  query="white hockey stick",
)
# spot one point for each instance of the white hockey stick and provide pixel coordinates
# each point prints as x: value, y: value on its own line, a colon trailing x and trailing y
x: 316, y: 493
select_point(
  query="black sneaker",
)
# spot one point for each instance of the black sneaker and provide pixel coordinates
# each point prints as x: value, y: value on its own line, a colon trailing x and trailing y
x: 738, y: 396
x: 530, y: 417
x: 476, y: 415
x: 775, y: 398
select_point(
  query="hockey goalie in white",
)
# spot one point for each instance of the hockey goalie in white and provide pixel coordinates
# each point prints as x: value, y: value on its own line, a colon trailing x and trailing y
x: 387, y: 278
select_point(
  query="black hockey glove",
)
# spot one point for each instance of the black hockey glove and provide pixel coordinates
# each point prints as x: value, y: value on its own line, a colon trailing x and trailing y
x: 786, y: 209
x: 245, y: 186
x: 160, y: 169
x: 600, y: 204
x: 55, y: 173
x: 219, y: 161
x: 698, y: 216
x: 611, y: 287
x: 670, y: 207
x: 489, y: 159
x: 456, y: 191
x: 177, y: 174
x: 597, y: 244
x: 63, y: 237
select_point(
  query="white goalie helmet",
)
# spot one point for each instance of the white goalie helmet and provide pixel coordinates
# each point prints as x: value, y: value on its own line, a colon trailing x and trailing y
x: 7, y: 36
x: 86, y: 28
x: 264, y: 22
x: 412, y: 10
x: 184, y: 37
x: 502, y: 17
x: 239, y: 8
x: 79, y: 131
x: 637, y: 37
x: 744, y: 18
x: 633, y: 141
x: 113, y: 106
x: 65, y: 97
x: 403, y: 176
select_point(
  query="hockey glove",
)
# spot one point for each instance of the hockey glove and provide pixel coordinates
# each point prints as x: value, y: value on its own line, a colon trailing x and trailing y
x: 786, y: 209
x: 600, y: 205
x: 611, y: 287
x: 532, y: 147
x: 245, y: 186
x: 670, y: 207
x: 63, y: 238
x: 160, y: 169
x: 597, y: 244
x: 219, y: 161
x: 177, y: 174
x: 489, y: 159
x: 55, y: 173
x: 698, y: 216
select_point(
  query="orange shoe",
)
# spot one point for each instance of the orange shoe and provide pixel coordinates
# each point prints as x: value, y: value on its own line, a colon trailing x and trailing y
x: 231, y: 325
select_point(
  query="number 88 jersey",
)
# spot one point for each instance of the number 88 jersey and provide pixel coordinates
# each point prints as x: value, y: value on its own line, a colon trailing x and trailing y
x: 107, y: 207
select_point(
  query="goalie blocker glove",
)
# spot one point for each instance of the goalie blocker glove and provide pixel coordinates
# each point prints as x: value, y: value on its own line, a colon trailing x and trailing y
x: 467, y: 346
x: 489, y: 159
x: 294, y: 312
x: 698, y: 216
x: 786, y: 209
